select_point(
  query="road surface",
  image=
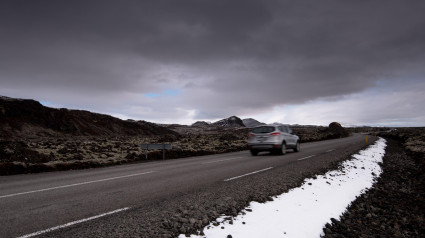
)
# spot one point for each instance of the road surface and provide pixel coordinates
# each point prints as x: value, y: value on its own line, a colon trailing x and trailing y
x: 31, y: 204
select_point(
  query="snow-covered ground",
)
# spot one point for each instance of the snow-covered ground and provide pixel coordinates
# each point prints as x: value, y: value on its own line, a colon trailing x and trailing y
x: 304, y: 211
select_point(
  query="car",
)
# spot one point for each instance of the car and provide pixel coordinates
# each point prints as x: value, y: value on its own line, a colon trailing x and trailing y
x: 274, y: 138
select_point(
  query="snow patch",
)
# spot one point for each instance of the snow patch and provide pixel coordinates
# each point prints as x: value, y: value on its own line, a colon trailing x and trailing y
x: 304, y: 211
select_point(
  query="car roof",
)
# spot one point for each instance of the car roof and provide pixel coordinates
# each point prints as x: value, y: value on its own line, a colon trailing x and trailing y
x: 273, y: 125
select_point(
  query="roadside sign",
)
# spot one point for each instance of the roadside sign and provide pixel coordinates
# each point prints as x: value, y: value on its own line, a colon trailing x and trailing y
x: 162, y: 147
x: 156, y: 146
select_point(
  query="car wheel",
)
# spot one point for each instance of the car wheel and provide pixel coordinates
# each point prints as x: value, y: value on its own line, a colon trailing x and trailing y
x: 254, y: 152
x: 297, y: 147
x: 282, y: 150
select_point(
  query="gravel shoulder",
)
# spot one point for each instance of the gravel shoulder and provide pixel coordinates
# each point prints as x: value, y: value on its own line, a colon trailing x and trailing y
x: 394, y: 207
x: 187, y: 212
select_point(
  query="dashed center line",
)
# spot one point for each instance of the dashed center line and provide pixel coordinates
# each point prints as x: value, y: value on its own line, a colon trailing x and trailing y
x: 75, y: 184
x: 307, y: 157
x: 216, y: 161
x: 243, y: 175
x: 330, y: 150
x: 72, y: 223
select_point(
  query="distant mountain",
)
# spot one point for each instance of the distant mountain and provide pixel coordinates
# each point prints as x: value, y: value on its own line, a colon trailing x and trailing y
x: 231, y: 122
x: 277, y: 124
x: 201, y: 124
x: 250, y: 122
x: 28, y: 117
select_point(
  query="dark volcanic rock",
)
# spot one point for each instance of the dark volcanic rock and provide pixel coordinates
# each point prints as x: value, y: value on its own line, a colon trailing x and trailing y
x: 337, y: 130
x: 394, y: 207
x: 231, y: 122
x: 249, y: 122
x: 201, y: 124
x: 29, y: 117
x: 317, y: 133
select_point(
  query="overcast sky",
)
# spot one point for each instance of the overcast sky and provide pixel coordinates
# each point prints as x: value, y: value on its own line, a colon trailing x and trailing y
x: 297, y: 62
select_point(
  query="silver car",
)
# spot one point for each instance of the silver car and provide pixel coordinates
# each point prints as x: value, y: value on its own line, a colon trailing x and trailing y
x: 273, y: 138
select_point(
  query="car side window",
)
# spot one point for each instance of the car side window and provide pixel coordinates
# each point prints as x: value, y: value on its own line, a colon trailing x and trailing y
x: 289, y: 130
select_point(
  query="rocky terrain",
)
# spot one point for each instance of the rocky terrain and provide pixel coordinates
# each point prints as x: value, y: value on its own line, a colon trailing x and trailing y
x: 187, y: 212
x: 35, y: 138
x: 413, y: 139
x: 231, y: 122
x: 250, y: 122
x: 61, y: 152
x: 25, y: 118
x: 236, y: 125
x: 395, y: 206
x: 317, y: 133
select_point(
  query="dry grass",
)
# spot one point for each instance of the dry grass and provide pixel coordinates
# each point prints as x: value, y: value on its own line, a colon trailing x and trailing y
x: 50, y: 153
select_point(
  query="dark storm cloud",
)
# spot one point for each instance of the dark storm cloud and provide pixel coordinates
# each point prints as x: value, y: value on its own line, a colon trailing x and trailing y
x: 226, y: 57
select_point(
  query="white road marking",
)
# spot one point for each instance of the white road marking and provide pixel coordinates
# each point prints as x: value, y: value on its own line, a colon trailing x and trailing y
x: 72, y: 223
x: 307, y: 157
x: 75, y: 184
x: 330, y: 150
x: 216, y: 161
x: 258, y: 171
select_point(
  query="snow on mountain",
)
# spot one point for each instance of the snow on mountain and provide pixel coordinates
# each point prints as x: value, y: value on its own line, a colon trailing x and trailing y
x: 250, y: 122
x: 231, y: 122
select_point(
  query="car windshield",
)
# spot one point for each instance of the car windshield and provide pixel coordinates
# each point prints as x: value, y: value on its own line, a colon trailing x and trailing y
x: 263, y: 129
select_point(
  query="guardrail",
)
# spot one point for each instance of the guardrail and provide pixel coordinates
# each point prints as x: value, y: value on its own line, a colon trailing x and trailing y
x: 162, y: 147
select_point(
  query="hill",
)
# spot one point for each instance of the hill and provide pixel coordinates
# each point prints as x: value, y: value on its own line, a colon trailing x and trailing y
x: 25, y: 117
x: 250, y: 122
x: 231, y: 122
x: 201, y: 124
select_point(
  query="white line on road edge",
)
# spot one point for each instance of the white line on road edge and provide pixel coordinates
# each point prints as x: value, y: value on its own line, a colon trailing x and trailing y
x: 306, y: 157
x: 73, y: 223
x: 75, y: 184
x: 330, y: 150
x: 258, y: 171
x: 215, y: 161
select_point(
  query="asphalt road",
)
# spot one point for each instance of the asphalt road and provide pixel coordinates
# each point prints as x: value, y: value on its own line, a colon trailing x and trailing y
x: 33, y: 203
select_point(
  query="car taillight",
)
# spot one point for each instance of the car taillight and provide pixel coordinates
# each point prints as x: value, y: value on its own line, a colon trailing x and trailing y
x: 275, y: 134
x: 251, y: 134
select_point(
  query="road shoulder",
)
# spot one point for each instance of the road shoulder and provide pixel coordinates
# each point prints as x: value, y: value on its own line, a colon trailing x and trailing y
x: 394, y: 207
x: 186, y: 213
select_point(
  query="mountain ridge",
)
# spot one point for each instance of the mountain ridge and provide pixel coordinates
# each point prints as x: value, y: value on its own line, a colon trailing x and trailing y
x: 251, y: 122
x: 29, y: 117
x: 230, y: 122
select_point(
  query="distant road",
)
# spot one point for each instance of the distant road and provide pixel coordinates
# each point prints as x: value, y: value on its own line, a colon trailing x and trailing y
x: 32, y: 203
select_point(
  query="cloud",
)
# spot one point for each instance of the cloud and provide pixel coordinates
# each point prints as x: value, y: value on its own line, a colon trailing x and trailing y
x: 391, y: 104
x: 218, y: 58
